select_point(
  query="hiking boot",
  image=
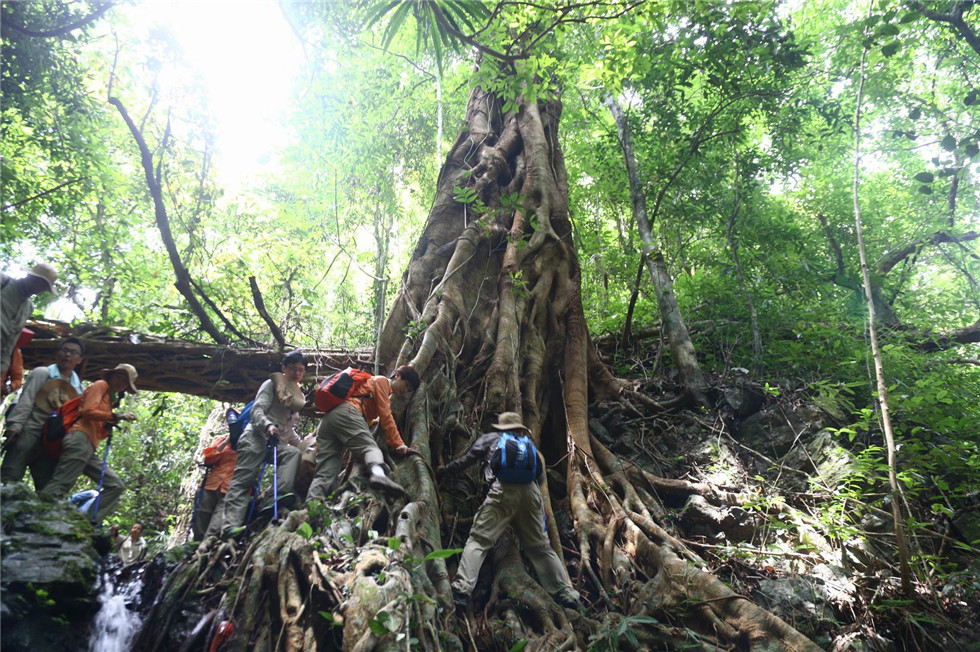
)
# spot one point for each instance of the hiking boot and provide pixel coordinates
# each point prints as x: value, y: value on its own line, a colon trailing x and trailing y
x: 461, y: 601
x: 233, y: 532
x: 286, y: 501
x: 387, y: 485
x: 568, y: 598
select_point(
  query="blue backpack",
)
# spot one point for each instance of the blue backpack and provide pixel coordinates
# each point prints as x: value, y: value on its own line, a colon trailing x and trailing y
x: 237, y: 422
x: 515, y: 460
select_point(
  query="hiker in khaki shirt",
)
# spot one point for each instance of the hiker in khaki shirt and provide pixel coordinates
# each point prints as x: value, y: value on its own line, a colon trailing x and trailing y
x: 16, y: 306
x: 272, y: 414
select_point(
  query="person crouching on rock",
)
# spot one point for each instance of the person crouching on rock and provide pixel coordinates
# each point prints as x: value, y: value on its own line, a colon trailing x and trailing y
x: 277, y: 400
x: 95, y: 419
x: 346, y: 428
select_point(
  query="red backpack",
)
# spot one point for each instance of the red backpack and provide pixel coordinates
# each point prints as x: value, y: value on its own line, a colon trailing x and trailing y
x: 59, y: 424
x: 339, y: 387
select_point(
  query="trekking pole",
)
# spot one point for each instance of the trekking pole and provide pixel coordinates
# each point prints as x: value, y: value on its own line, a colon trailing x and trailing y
x: 275, y: 479
x: 197, y: 501
x: 258, y: 487
x: 105, y: 461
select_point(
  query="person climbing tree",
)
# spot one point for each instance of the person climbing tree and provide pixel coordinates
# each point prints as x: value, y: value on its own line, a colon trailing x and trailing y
x: 345, y: 427
x: 16, y: 305
x: 95, y: 418
x: 513, y: 500
x: 277, y: 400
x: 221, y: 457
x: 46, y: 389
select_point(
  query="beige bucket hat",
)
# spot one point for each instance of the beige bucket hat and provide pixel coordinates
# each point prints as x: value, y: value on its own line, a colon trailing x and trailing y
x: 53, y: 394
x: 45, y: 272
x: 131, y: 374
x: 509, y: 421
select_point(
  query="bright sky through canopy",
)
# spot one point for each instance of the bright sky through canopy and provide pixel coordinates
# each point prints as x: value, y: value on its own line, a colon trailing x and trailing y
x: 248, y: 56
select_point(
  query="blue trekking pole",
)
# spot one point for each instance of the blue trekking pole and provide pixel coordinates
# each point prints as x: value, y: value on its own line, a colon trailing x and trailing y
x: 275, y: 479
x: 197, y: 501
x: 255, y: 492
x: 105, y: 460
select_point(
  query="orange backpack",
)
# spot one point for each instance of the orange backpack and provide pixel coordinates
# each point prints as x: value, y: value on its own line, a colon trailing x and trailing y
x: 339, y: 387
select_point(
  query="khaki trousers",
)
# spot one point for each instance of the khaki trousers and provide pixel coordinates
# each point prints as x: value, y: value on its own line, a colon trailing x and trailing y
x: 521, y: 506
x: 78, y: 457
x: 208, y: 512
x: 342, y: 428
x: 251, y: 454
x: 27, y: 452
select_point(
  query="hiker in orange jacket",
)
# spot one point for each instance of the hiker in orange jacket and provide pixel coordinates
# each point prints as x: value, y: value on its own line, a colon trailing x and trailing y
x: 95, y: 418
x: 346, y: 427
x: 221, y: 458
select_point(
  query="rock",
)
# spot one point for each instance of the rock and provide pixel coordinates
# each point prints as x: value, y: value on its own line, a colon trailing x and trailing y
x: 700, y: 518
x: 821, y: 458
x: 797, y: 600
x: 48, y: 572
x: 968, y: 525
x: 774, y: 431
x: 744, y: 397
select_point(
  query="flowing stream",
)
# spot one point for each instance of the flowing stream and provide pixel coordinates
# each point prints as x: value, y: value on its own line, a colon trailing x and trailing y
x: 118, y: 618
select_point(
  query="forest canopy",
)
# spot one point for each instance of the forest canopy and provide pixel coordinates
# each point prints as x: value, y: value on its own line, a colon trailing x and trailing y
x: 709, y: 164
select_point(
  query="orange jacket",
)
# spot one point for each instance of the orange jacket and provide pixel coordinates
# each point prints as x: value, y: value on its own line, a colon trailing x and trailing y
x: 95, y: 412
x: 16, y: 371
x: 379, y: 406
x: 222, y: 457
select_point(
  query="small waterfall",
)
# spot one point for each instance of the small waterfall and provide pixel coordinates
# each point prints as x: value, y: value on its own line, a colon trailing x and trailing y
x: 118, y: 618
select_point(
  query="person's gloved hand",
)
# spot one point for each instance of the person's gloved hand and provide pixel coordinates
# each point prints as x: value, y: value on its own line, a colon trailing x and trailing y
x: 402, y: 451
x: 271, y: 431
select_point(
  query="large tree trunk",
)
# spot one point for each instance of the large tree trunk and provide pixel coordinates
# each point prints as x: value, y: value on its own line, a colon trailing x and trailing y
x: 490, y: 314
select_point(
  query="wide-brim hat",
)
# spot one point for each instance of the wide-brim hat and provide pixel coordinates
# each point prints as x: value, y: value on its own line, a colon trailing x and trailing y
x: 288, y: 393
x: 53, y: 394
x: 509, y: 421
x: 130, y: 372
x: 45, y: 272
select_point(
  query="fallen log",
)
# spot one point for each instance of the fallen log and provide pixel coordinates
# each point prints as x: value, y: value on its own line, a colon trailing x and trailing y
x: 166, y: 364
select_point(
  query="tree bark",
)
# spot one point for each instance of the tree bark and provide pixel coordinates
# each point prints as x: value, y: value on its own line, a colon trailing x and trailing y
x: 678, y: 337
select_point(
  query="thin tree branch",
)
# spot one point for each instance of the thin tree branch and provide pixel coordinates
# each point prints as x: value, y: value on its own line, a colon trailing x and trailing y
x: 888, y: 262
x: 231, y: 327
x: 183, y: 283
x: 260, y: 306
x: 9, y: 207
x: 63, y: 29
x: 953, y: 18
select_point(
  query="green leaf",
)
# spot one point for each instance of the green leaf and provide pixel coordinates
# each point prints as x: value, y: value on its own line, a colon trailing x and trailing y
x: 890, y: 49
x: 377, y: 628
x: 304, y: 530
x: 925, y: 177
x: 442, y: 554
x: 948, y: 143
x: 518, y: 646
x: 972, y: 150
